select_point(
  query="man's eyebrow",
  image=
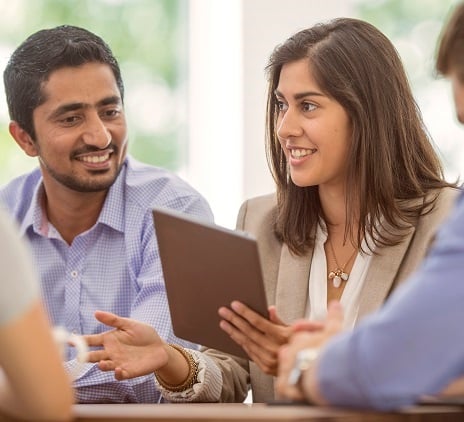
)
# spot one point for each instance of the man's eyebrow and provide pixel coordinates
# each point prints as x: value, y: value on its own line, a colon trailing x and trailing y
x: 114, y: 99
x: 65, y: 108
x: 300, y: 95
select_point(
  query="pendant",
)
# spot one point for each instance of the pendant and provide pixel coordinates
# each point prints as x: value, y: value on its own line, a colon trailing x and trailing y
x: 337, y: 276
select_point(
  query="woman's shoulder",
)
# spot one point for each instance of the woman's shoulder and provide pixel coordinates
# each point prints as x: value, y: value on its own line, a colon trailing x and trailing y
x: 257, y: 216
x: 257, y: 210
x: 440, y: 203
x: 261, y: 203
x: 445, y: 198
x: 449, y: 194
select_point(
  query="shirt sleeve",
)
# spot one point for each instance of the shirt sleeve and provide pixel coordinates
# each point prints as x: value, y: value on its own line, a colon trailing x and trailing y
x: 208, y: 387
x: 414, y: 344
x: 150, y: 306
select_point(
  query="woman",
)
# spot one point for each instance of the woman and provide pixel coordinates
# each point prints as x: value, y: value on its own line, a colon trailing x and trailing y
x: 35, y: 385
x: 360, y: 193
x: 337, y: 375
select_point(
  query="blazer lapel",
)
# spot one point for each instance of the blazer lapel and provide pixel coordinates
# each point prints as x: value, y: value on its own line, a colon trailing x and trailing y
x: 381, y: 275
x: 292, y: 285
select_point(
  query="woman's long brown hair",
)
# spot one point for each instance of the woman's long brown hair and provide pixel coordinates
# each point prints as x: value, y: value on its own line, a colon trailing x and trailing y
x: 392, y: 159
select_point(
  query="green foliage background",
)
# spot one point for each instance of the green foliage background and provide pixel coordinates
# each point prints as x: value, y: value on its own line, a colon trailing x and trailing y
x: 148, y: 37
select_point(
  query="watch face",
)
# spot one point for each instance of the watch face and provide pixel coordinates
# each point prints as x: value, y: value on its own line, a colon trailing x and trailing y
x: 304, y: 360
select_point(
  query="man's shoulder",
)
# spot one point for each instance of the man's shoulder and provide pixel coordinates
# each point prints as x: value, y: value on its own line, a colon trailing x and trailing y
x: 150, y: 185
x: 17, y: 194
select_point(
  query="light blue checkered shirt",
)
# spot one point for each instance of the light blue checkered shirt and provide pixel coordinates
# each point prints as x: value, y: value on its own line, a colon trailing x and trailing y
x: 114, y: 266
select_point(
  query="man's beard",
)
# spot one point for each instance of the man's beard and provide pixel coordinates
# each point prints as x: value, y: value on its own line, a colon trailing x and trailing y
x: 96, y: 183
x: 81, y: 185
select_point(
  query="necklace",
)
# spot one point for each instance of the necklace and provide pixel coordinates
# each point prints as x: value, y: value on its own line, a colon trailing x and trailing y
x: 339, y: 273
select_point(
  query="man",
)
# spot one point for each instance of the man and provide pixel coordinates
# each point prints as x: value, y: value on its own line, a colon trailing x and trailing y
x: 414, y: 345
x: 87, y: 210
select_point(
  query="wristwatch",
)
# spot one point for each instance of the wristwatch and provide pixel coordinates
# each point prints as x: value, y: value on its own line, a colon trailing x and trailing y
x: 304, y: 360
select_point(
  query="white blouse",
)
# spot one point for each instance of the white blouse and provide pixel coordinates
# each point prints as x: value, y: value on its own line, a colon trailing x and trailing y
x: 317, y: 301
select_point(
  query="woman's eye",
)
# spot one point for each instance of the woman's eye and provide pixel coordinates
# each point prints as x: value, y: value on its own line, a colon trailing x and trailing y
x: 308, y: 106
x: 281, y: 105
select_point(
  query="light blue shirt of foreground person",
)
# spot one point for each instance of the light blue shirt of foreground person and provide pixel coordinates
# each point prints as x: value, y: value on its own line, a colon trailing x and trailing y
x: 114, y: 266
x: 415, y: 344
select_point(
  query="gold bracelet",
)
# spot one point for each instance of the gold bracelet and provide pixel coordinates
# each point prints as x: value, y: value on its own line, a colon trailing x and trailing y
x: 191, y: 378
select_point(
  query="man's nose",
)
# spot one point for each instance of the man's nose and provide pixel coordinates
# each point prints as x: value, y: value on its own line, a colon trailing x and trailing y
x: 96, y: 133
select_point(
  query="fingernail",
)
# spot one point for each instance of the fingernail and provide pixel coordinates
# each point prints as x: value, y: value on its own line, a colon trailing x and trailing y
x: 235, y: 306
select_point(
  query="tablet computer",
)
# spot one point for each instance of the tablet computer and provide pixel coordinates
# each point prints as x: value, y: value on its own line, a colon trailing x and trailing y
x: 207, y: 266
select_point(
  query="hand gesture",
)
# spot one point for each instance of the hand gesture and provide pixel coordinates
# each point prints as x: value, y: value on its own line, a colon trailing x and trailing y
x: 130, y: 350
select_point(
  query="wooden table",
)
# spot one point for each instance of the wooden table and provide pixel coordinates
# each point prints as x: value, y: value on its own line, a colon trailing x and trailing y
x: 255, y: 413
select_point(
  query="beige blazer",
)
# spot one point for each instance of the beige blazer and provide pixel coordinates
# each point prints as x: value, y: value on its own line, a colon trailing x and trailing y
x: 286, y: 278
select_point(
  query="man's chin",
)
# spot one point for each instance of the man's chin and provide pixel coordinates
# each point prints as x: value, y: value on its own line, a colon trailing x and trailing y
x: 92, y: 184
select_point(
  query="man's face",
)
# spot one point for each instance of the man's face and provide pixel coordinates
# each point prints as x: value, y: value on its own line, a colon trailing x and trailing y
x: 81, y: 131
x: 457, y: 84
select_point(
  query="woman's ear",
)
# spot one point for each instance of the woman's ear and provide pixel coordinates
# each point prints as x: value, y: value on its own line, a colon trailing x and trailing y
x: 23, y: 139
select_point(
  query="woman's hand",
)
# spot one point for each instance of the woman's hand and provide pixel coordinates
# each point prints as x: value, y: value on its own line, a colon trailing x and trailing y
x: 261, y: 338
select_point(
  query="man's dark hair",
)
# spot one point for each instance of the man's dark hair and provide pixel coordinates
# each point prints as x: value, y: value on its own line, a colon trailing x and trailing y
x: 43, y: 53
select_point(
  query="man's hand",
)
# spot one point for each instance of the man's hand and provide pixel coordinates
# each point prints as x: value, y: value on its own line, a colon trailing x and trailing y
x: 130, y: 350
x: 307, y: 388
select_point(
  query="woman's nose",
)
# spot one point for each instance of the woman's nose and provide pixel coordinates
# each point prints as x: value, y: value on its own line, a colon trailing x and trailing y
x: 288, y: 125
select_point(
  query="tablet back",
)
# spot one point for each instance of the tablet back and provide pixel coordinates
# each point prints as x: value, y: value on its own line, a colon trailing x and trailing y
x: 206, y: 266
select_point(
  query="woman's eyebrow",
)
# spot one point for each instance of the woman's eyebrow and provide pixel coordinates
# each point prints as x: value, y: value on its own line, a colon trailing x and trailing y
x: 300, y: 95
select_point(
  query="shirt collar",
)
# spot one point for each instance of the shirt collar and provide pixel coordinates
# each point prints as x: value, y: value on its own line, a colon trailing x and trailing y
x: 321, y: 232
x: 112, y: 213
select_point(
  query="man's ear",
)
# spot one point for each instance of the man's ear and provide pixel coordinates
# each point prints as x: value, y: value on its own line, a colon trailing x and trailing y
x: 23, y: 139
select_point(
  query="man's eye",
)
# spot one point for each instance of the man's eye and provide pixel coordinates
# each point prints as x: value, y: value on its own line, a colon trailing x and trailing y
x: 70, y: 120
x: 112, y: 113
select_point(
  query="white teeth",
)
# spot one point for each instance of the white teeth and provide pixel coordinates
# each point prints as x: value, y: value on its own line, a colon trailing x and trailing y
x: 94, y: 159
x: 299, y: 153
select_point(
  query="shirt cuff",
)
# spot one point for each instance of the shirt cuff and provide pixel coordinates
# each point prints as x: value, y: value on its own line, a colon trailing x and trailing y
x: 207, y: 388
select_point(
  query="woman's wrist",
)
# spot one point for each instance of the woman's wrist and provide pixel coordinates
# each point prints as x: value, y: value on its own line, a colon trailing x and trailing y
x: 180, y: 373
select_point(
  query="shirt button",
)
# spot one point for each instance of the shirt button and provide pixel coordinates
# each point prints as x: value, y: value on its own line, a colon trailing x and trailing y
x: 74, y: 274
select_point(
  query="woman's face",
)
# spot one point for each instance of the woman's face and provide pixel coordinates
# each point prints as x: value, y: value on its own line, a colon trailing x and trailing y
x: 313, y: 129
